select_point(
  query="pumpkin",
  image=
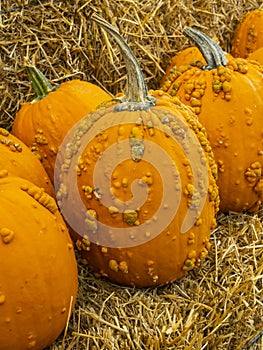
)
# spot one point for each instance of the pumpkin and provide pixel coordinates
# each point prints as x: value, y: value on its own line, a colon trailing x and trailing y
x: 17, y: 158
x: 42, y: 123
x: 191, y: 55
x: 188, y: 55
x: 248, y: 35
x: 227, y: 97
x: 135, y: 181
x: 38, y: 271
x: 256, y: 55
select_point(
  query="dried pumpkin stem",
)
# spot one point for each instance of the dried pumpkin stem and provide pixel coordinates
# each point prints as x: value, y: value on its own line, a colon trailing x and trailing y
x: 211, y: 51
x: 39, y: 82
x: 136, y: 93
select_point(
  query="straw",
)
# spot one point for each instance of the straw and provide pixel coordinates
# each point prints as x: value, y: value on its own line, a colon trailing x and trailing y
x: 217, y: 306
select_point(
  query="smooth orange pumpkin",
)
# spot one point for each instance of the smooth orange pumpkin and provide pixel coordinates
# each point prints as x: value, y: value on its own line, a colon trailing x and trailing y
x: 42, y: 123
x: 38, y: 270
x: 228, y: 99
x: 248, y: 36
x: 140, y: 195
x: 256, y: 55
x: 18, y: 160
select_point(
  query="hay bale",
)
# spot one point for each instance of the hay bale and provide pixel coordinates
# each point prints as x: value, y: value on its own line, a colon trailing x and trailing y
x: 218, y: 306
x: 60, y: 39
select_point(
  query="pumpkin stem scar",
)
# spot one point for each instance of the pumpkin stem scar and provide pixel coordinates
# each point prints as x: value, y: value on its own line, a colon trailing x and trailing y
x: 136, y: 95
x: 40, y: 84
x: 212, y: 52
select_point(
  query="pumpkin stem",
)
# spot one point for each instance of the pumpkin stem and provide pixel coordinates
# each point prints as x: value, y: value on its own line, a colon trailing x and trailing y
x: 136, y: 94
x: 212, y: 52
x: 40, y: 84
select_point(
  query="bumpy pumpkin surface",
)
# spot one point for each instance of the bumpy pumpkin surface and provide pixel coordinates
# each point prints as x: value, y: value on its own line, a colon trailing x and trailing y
x: 189, y: 56
x: 227, y: 97
x: 42, y: 123
x: 18, y: 160
x: 186, y: 56
x: 137, y: 185
x: 38, y: 271
x: 248, y: 35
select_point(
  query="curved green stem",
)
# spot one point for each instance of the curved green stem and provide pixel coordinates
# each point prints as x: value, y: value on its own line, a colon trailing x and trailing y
x: 136, y: 93
x: 211, y: 51
x: 40, y: 84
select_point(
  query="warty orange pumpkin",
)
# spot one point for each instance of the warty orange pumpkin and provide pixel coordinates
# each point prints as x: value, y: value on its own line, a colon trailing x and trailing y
x: 248, y: 35
x: 227, y: 97
x: 18, y: 160
x: 38, y: 270
x: 42, y: 123
x: 188, y: 55
x: 135, y: 180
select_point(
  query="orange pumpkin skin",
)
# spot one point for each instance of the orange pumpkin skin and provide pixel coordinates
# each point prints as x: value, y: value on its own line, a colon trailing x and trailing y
x: 17, y: 158
x: 248, y: 35
x: 38, y: 271
x: 42, y: 124
x: 257, y: 56
x: 186, y: 56
x: 228, y: 102
x: 169, y: 255
x: 130, y: 181
x: 190, y: 56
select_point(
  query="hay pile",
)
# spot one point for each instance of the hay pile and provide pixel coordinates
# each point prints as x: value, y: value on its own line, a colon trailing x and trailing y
x: 61, y: 40
x: 217, y: 307
x: 220, y: 305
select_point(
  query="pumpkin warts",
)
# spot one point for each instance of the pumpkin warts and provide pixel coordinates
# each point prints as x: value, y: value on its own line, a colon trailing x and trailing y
x: 120, y: 239
x: 223, y: 97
